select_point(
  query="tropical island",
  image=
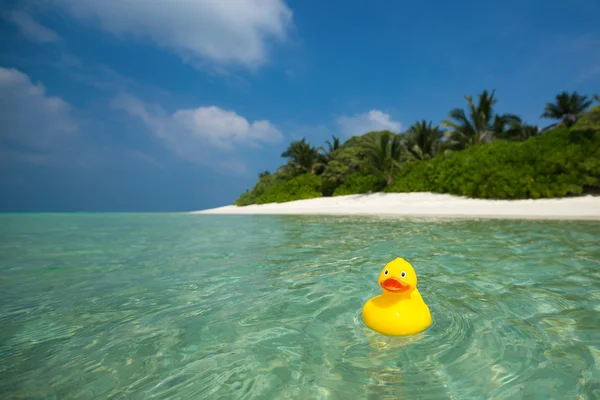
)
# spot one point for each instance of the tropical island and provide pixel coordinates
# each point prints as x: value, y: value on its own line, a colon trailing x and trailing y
x: 475, y: 153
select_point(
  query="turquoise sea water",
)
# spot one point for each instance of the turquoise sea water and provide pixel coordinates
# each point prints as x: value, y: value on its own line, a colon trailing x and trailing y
x: 172, y: 306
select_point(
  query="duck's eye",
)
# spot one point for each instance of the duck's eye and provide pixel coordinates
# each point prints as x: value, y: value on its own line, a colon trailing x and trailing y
x: 403, y: 274
x: 386, y: 272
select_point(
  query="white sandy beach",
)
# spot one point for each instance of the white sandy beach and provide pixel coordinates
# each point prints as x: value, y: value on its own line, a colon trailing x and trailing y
x: 427, y: 205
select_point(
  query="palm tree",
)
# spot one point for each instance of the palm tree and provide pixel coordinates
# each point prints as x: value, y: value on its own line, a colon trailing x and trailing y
x: 597, y: 98
x: 331, y: 148
x: 302, y: 155
x: 502, y: 123
x: 566, y: 108
x: 423, y: 140
x: 334, y: 146
x: 516, y: 130
x: 384, y: 155
x: 478, y: 126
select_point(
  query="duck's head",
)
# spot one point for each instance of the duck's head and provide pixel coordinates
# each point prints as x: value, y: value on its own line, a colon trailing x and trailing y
x: 398, y: 277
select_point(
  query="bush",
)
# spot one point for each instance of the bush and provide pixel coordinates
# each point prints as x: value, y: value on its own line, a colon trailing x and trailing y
x: 590, y: 122
x: 359, y: 182
x: 306, y: 186
x: 264, y: 183
x: 558, y: 163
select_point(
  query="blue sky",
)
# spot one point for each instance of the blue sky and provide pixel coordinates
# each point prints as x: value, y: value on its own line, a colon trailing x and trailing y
x: 177, y: 105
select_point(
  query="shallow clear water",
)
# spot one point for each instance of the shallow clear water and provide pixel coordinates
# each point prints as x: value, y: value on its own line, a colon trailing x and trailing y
x: 197, y: 306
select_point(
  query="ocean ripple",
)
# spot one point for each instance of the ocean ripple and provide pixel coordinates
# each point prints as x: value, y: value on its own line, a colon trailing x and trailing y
x: 252, y: 307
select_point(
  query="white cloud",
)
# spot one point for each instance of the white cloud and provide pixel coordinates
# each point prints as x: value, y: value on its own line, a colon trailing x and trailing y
x: 221, y: 31
x: 223, y: 128
x: 32, y: 29
x: 373, y: 120
x: 31, y: 120
x: 201, y: 134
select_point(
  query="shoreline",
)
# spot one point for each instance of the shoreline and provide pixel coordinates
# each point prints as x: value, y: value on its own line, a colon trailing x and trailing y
x: 426, y: 205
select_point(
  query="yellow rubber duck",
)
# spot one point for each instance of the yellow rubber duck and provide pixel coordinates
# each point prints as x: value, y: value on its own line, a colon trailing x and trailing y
x: 400, y: 309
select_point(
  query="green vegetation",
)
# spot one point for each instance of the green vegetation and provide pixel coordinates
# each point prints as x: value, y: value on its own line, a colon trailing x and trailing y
x: 475, y: 152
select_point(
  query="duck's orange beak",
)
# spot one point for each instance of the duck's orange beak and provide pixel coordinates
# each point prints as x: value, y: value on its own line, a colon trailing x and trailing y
x: 395, y: 285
